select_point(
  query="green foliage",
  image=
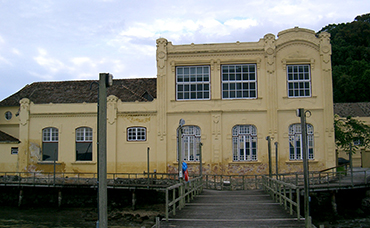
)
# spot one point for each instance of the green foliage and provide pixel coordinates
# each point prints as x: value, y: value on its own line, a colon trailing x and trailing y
x: 349, y: 130
x: 351, y: 59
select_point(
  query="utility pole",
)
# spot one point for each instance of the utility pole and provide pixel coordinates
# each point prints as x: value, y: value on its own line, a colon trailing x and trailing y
x: 179, y: 146
x: 105, y: 80
x: 302, y: 114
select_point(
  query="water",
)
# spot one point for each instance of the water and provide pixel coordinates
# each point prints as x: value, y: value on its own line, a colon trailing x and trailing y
x: 13, y: 217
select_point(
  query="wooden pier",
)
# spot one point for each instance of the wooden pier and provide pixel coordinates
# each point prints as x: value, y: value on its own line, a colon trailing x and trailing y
x: 245, y: 208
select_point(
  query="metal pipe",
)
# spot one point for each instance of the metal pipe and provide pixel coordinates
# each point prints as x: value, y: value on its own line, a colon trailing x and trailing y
x: 305, y: 167
x: 276, y: 159
x: 148, y: 164
x: 200, y: 159
x: 268, y: 138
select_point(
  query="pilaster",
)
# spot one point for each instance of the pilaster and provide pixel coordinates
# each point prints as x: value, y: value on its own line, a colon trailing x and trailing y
x: 112, y: 134
x: 162, y: 100
x: 24, y: 117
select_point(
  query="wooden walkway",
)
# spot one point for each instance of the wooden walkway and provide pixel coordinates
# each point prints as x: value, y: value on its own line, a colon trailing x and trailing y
x: 249, y: 208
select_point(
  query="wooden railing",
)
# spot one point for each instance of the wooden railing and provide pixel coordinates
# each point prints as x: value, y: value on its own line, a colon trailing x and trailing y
x: 282, y: 193
x: 114, y: 180
x: 232, y: 182
x: 178, y: 194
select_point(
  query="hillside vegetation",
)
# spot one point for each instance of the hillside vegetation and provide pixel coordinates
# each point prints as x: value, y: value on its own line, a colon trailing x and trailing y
x: 351, y: 59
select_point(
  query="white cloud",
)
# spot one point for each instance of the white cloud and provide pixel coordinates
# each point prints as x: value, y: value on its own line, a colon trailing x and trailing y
x: 50, y: 64
x: 16, y: 51
x: 78, y: 61
x: 241, y: 23
x: 4, y: 60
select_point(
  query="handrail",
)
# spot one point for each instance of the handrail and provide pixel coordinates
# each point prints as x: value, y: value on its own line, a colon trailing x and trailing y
x: 183, y: 190
x: 278, y: 191
x: 90, y: 179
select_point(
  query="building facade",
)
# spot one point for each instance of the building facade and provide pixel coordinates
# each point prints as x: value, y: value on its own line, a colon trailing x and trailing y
x: 230, y: 95
x: 359, y: 111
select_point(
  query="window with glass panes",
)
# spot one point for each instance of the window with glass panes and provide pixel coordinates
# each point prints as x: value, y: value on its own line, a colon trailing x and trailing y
x: 244, y: 143
x: 299, y: 80
x: 295, y: 142
x: 190, y: 143
x: 136, y: 134
x: 192, y: 83
x: 84, y: 138
x: 239, y: 81
x: 50, y: 137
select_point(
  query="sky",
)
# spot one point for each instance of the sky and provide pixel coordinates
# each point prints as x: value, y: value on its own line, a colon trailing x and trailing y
x: 59, y: 40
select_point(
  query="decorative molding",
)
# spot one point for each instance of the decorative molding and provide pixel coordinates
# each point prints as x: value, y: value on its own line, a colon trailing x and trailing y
x: 285, y: 62
x: 297, y: 43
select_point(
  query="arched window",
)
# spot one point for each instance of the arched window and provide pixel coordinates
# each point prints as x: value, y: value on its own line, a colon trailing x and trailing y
x: 295, y: 142
x: 50, y: 137
x: 244, y: 143
x: 84, y: 138
x: 190, y: 143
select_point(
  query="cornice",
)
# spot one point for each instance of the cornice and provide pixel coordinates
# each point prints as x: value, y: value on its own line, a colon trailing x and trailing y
x: 192, y: 55
x: 137, y: 114
x: 62, y: 115
x: 297, y: 43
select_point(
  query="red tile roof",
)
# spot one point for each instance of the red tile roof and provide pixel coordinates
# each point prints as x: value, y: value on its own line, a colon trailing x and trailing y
x: 127, y: 90
x: 360, y: 109
x: 4, y: 137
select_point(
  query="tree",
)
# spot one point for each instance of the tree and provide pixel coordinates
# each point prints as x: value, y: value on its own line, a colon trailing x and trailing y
x: 349, y: 130
x: 351, y: 59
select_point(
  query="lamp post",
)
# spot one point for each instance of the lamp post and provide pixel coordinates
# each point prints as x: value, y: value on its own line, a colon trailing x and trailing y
x: 105, y: 80
x: 200, y: 158
x: 302, y: 114
x: 276, y: 159
x: 179, y: 146
x: 268, y: 138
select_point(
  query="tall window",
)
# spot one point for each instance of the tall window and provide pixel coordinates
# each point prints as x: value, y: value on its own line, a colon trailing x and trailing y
x: 192, y: 83
x: 299, y: 80
x: 84, y: 138
x: 295, y: 142
x: 50, y: 137
x: 244, y: 143
x: 190, y: 143
x: 136, y: 134
x: 239, y: 81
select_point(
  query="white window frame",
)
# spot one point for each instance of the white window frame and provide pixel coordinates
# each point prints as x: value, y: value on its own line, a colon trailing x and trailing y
x: 136, y: 134
x: 244, y: 141
x: 50, y: 135
x: 239, y: 81
x: 14, y: 150
x: 299, y: 80
x: 191, y: 136
x: 193, y: 83
x: 295, y: 142
x: 84, y: 135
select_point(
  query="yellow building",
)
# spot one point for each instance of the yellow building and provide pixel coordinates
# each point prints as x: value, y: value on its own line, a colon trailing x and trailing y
x: 231, y: 96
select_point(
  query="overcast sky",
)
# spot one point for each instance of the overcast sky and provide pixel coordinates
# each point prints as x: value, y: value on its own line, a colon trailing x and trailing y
x: 54, y: 40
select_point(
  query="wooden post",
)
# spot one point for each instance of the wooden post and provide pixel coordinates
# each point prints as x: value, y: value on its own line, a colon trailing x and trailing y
x: 167, y: 195
x: 173, y: 200
x: 59, y: 197
x: 133, y: 200
x: 20, y: 198
x: 333, y: 202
